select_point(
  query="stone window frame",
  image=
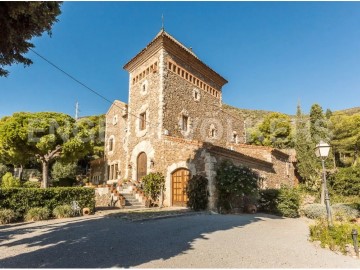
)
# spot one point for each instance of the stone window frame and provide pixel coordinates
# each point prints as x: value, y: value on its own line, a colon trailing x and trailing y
x: 111, y: 138
x: 144, y: 87
x: 115, y: 120
x: 196, y: 94
x: 235, y: 137
x: 212, y: 131
x: 141, y: 132
x: 185, y: 123
x: 187, y: 131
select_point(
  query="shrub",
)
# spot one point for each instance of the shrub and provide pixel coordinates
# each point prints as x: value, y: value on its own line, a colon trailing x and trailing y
x: 335, y: 237
x: 31, y: 184
x: 3, y: 169
x: 37, y: 213
x: 63, y: 211
x: 9, y: 181
x: 6, y: 216
x: 268, y: 200
x: 340, y: 212
x: 288, y: 202
x: 64, y: 182
x: 284, y: 201
x: 22, y: 199
x: 233, y: 182
x: 153, y: 185
x: 315, y: 211
x: 343, y: 212
x: 197, y: 193
x: 353, y: 201
x: 346, y: 181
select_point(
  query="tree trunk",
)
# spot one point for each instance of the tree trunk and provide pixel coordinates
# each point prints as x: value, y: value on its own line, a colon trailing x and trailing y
x: 45, y: 170
x: 21, y: 171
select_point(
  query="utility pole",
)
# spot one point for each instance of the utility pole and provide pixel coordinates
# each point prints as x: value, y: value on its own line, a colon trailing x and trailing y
x: 76, y: 110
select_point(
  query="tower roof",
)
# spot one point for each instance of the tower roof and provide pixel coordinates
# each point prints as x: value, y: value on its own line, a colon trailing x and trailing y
x: 165, y: 40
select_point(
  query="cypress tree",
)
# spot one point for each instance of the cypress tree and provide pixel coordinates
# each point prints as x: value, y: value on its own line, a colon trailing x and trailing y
x: 307, y: 164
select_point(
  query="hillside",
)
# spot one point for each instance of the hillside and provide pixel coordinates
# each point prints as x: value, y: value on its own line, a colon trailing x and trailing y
x: 253, y: 117
x: 350, y: 111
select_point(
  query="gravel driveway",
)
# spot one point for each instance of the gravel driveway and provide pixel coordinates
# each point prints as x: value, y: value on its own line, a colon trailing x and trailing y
x: 211, y: 241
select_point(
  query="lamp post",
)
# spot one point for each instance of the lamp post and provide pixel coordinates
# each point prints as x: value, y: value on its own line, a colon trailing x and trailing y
x: 322, y: 150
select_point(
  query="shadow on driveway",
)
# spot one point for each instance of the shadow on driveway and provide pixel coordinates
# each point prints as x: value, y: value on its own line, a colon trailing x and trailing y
x: 103, y: 242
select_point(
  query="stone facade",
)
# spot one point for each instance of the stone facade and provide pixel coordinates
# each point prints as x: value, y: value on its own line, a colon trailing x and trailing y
x: 97, y: 172
x: 174, y: 120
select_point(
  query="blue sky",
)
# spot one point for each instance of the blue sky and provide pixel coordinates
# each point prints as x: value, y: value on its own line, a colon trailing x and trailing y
x: 272, y: 53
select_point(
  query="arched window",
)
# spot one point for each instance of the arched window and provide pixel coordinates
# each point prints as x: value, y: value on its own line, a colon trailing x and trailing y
x: 111, y: 144
x: 141, y: 165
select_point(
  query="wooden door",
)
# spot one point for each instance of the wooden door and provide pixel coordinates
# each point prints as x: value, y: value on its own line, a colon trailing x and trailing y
x: 179, y: 182
x: 141, y: 165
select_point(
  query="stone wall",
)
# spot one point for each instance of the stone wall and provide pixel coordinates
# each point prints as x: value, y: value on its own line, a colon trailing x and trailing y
x: 116, y: 124
x: 204, y: 112
x: 97, y: 173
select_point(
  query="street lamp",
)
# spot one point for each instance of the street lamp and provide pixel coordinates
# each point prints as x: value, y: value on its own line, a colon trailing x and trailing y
x: 322, y: 150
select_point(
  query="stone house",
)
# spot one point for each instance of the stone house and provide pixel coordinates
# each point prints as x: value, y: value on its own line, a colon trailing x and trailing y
x: 174, y: 123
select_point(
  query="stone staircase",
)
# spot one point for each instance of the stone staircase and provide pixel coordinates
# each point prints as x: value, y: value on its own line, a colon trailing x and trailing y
x: 132, y: 199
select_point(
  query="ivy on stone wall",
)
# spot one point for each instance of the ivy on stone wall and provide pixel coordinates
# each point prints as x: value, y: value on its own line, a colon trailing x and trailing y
x: 233, y: 183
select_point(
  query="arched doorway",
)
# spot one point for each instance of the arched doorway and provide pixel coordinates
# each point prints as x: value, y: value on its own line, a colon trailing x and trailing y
x: 141, y: 165
x: 179, y: 180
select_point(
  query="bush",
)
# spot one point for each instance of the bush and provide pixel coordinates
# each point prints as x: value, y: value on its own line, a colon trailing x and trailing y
x: 335, y: 237
x: 288, y: 202
x: 22, y: 199
x: 352, y: 201
x: 343, y: 212
x: 233, y: 183
x: 63, y: 211
x: 315, y: 211
x: 197, y: 193
x: 340, y: 212
x: 3, y: 169
x: 153, y: 185
x: 284, y: 201
x: 37, y: 213
x: 268, y: 200
x: 31, y: 184
x: 6, y: 216
x: 64, y: 182
x: 346, y: 181
x: 9, y: 181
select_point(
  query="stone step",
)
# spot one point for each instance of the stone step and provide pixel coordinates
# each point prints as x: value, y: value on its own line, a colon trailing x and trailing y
x: 134, y: 207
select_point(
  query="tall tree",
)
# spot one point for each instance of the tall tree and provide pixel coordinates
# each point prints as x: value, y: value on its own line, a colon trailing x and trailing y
x: 346, y: 137
x: 46, y: 136
x: 19, y: 23
x: 318, y: 124
x: 307, y: 164
x: 274, y: 130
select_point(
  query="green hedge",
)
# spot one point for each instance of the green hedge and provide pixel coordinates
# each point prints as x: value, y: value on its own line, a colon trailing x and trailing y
x: 284, y: 201
x: 21, y: 200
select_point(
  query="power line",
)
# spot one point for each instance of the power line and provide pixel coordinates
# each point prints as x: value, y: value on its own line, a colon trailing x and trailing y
x: 106, y: 99
x: 87, y: 87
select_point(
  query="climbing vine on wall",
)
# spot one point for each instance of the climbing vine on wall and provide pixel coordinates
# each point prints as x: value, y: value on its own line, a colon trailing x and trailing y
x: 233, y: 183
